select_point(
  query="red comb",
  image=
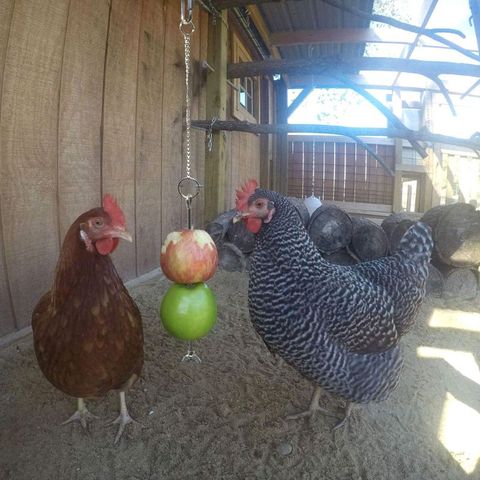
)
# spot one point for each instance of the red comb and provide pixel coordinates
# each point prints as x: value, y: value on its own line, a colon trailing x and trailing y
x: 244, y: 194
x: 110, y: 205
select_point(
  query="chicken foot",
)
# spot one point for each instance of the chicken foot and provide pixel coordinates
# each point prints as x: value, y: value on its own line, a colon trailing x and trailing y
x: 123, y: 419
x: 81, y: 415
x: 315, y: 407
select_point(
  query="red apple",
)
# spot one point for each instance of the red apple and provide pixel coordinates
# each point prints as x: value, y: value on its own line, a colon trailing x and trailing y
x: 189, y: 256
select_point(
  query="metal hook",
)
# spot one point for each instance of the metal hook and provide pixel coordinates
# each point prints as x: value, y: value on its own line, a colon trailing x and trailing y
x: 186, y: 19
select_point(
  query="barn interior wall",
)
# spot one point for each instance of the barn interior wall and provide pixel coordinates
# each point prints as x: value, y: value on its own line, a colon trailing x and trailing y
x: 91, y: 101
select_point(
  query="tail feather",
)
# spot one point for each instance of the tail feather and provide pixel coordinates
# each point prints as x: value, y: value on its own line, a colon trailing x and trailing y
x: 417, y: 243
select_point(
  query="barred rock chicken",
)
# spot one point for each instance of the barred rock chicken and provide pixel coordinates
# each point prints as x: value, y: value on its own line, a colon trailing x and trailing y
x: 339, y: 326
x: 87, y: 330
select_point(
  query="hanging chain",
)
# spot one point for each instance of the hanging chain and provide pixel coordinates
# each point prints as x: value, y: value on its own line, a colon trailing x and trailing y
x: 187, y: 28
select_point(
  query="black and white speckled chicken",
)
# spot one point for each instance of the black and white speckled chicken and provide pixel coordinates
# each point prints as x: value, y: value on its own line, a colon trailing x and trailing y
x: 339, y: 326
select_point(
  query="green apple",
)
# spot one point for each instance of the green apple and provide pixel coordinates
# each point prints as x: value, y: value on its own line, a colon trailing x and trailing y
x: 188, y: 312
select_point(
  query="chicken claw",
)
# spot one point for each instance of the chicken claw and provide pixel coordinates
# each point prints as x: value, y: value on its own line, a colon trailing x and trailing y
x: 314, y: 407
x: 348, y: 411
x: 123, y: 419
x: 81, y: 415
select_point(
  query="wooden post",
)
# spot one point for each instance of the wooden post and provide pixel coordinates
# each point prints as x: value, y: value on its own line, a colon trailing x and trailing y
x: 397, y: 183
x: 266, y: 144
x: 215, y: 161
x: 280, y: 164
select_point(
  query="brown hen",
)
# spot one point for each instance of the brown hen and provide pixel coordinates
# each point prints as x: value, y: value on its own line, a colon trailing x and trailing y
x: 87, y: 330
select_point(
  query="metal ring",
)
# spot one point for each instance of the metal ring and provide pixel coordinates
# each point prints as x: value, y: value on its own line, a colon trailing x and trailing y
x: 183, y: 26
x: 193, y: 183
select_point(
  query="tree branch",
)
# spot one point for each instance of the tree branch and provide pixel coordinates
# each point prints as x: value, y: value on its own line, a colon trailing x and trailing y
x: 395, y: 121
x: 420, y: 136
x: 348, y: 64
x: 432, y: 33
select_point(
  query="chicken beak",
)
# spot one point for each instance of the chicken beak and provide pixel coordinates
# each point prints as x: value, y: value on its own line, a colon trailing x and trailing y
x: 239, y: 216
x: 118, y: 232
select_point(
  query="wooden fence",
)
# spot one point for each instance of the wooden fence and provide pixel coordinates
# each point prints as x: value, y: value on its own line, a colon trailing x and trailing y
x: 339, y: 170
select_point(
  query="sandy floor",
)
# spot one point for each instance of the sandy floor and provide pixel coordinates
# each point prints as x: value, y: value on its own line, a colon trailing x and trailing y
x: 225, y: 419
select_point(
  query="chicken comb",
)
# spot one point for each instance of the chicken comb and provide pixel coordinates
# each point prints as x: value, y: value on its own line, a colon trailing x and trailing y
x: 110, y: 205
x: 244, y: 194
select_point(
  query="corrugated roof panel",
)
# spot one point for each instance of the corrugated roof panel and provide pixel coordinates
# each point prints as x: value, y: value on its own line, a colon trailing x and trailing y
x: 312, y: 15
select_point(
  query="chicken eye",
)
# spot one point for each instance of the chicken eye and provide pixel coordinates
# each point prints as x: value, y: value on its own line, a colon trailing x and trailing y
x: 259, y: 204
x: 98, y: 222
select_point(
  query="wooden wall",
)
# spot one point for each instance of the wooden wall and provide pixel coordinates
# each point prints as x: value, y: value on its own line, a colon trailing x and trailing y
x: 91, y: 101
x: 243, y: 163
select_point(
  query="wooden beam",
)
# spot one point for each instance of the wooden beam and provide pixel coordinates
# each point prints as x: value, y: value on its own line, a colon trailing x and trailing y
x: 419, y: 136
x: 263, y: 30
x: 324, y: 35
x: 299, y: 100
x: 223, y: 4
x: 325, y: 81
x: 349, y: 64
x: 216, y: 160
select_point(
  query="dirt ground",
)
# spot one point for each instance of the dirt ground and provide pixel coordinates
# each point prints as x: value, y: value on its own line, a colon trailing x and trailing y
x: 225, y: 418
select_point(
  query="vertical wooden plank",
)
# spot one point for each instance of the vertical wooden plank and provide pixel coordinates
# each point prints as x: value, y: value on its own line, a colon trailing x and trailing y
x: 28, y: 150
x: 80, y: 112
x: 281, y: 161
x: 307, y: 169
x: 229, y: 186
x: 172, y: 128
x: 350, y: 172
x: 120, y: 96
x: 361, y: 192
x: 216, y: 160
x: 328, y: 185
x: 7, y: 319
x: 340, y: 171
x: 295, y: 169
x: 265, y: 140
x: 319, y: 169
x: 148, y: 164
x: 372, y: 177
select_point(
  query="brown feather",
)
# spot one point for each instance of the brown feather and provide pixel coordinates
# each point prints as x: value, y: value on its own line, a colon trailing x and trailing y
x: 87, y: 330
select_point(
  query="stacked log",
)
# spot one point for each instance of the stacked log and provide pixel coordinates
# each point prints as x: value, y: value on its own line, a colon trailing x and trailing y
x: 330, y: 228
x: 301, y: 209
x: 234, y: 242
x: 395, y: 227
x: 456, y: 233
x: 369, y: 241
x: 342, y: 240
x: 435, y: 282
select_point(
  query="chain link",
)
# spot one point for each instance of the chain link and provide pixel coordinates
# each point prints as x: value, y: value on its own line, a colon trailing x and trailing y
x: 188, y: 117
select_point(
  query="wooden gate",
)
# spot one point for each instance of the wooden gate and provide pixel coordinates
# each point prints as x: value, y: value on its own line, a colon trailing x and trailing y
x: 339, y: 170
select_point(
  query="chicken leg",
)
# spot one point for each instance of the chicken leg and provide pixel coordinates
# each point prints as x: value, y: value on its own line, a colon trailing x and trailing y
x: 315, y: 407
x: 81, y: 415
x: 123, y: 419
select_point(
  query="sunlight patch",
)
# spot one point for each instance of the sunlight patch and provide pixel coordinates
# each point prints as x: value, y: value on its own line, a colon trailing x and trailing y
x: 458, y: 432
x: 463, y: 362
x: 444, y: 318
